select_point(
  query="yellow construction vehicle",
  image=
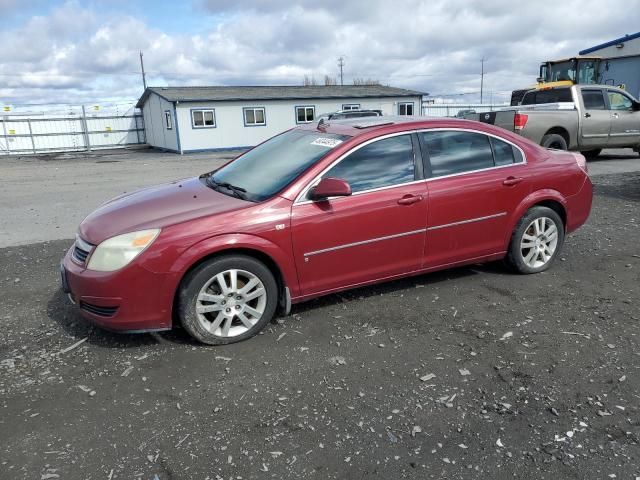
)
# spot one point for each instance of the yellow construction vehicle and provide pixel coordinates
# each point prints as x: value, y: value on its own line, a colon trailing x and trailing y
x: 564, y: 72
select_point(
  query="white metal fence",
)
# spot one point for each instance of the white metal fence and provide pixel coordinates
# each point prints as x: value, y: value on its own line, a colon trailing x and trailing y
x: 29, y: 133
x: 452, y: 109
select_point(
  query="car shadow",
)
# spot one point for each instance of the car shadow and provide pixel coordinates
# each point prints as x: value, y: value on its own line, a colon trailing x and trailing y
x: 605, y: 157
x: 65, y: 314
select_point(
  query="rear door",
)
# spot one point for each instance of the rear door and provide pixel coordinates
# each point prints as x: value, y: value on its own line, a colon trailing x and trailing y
x: 475, y: 183
x: 625, y: 122
x: 596, y: 119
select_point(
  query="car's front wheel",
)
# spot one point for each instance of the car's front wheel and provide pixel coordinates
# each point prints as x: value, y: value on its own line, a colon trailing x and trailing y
x: 227, y: 299
x: 536, y: 241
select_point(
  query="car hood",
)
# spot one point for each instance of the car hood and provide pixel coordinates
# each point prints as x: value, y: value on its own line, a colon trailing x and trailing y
x: 157, y: 207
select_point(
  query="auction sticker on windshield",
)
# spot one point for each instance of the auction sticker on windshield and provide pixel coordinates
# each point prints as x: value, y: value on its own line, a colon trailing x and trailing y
x: 326, y: 142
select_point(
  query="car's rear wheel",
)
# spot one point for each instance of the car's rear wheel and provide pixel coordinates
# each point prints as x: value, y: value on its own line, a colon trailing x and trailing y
x: 553, y: 140
x: 536, y: 241
x: 592, y: 153
x: 227, y: 299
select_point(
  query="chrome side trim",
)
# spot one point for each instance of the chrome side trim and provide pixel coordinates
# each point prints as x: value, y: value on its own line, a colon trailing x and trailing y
x: 471, y: 220
x: 364, y: 242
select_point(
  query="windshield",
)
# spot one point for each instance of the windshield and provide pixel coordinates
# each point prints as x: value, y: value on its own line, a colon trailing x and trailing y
x: 268, y: 168
x: 561, y: 71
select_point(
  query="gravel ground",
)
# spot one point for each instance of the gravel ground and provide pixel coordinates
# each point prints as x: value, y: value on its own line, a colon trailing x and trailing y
x: 467, y: 373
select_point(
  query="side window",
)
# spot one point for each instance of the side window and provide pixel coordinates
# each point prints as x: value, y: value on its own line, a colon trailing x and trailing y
x: 453, y: 152
x: 618, y: 101
x: 593, y: 100
x: 380, y: 164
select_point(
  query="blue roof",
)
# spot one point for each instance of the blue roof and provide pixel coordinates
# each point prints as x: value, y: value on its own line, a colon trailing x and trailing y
x: 611, y: 43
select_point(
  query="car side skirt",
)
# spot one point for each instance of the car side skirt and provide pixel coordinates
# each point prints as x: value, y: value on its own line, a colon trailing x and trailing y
x: 471, y: 261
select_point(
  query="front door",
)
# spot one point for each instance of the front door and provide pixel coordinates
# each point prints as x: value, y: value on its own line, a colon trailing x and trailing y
x: 377, y: 232
x: 625, y: 122
x: 595, y: 121
x: 476, y: 181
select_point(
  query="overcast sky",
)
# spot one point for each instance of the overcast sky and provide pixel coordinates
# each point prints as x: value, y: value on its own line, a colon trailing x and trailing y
x: 87, y: 52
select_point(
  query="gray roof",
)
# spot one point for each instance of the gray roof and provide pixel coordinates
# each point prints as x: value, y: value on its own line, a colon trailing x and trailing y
x: 222, y: 94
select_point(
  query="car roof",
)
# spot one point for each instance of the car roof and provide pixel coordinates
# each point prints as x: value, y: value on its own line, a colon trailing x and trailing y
x: 365, y: 125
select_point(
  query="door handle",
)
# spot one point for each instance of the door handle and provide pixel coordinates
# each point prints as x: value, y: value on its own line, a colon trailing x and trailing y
x: 587, y: 115
x: 410, y: 199
x: 511, y: 181
x: 614, y: 115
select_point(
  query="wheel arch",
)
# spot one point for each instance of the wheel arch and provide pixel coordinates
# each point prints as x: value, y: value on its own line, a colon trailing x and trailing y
x: 238, y: 244
x: 544, y: 198
x: 563, y: 132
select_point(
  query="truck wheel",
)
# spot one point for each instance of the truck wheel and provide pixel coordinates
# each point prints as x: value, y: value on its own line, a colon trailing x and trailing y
x: 592, y: 153
x: 553, y: 140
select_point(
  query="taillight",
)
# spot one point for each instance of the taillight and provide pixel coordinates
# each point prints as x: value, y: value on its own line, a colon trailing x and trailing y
x: 519, y: 121
x: 581, y: 161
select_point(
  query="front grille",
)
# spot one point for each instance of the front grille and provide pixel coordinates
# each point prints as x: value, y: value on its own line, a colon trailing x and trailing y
x: 81, y: 251
x: 99, y: 310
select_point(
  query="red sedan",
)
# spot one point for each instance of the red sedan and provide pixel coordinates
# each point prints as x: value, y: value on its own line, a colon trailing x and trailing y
x: 318, y: 209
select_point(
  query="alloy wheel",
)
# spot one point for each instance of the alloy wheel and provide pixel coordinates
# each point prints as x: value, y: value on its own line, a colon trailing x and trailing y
x: 539, y: 242
x: 231, y: 303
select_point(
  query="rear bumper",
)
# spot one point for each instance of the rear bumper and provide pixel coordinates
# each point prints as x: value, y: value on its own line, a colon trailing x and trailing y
x: 129, y: 300
x: 579, y: 206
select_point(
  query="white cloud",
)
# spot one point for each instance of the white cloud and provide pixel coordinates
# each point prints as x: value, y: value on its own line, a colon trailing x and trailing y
x: 76, y: 54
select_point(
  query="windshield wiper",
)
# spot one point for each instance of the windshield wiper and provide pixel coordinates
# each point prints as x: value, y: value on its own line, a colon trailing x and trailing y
x: 237, y: 191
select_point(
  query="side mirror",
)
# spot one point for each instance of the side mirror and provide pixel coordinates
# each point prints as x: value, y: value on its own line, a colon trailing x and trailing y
x: 330, y: 187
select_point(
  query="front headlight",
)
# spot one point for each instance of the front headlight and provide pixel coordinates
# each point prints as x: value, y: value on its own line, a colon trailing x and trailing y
x: 117, y: 252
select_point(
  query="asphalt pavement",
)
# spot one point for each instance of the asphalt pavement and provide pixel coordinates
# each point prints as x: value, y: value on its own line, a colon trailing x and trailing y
x: 467, y: 373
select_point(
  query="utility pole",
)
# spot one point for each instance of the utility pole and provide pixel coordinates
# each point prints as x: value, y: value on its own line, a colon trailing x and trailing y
x: 481, y: 80
x: 341, y: 64
x: 144, y: 78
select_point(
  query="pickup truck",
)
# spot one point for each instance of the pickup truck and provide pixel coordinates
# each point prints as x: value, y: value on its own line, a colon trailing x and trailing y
x: 586, y: 118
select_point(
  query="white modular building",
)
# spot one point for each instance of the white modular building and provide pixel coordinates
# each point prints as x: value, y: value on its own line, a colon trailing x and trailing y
x: 196, y: 119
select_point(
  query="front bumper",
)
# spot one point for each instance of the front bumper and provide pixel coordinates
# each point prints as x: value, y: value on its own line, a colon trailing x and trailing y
x: 132, y: 299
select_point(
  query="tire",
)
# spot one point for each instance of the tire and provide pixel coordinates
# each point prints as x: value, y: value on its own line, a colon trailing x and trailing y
x: 553, y: 140
x: 216, y: 313
x: 528, y: 260
x: 592, y: 153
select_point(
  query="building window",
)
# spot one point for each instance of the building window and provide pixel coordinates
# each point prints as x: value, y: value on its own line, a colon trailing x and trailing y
x: 305, y: 114
x: 405, y: 108
x: 167, y: 120
x: 351, y: 106
x: 203, y: 118
x: 254, y: 117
